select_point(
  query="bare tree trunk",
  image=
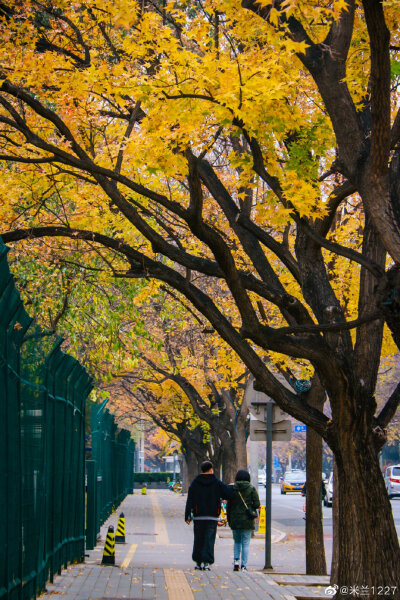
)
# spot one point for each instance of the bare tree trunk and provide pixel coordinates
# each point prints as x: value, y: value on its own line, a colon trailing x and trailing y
x: 229, y: 464
x: 315, y: 549
x: 368, y: 544
x: 216, y: 455
x: 241, y: 454
x: 335, y: 519
x: 240, y: 443
x: 191, y: 467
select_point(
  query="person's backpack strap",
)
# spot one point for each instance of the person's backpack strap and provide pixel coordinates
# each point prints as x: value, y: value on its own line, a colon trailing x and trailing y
x: 242, y: 499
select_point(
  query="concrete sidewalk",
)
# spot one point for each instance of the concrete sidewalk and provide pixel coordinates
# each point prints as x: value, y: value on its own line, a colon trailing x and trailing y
x: 94, y: 582
x: 155, y: 562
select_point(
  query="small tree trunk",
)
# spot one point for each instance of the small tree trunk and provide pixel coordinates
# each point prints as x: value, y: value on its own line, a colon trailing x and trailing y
x: 315, y: 549
x: 229, y: 466
x: 241, y: 447
x: 191, y: 468
x: 335, y: 526
x: 216, y: 459
x: 369, y: 553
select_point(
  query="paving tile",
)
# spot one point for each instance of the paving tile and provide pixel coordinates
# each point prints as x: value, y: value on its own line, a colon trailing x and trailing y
x: 144, y: 578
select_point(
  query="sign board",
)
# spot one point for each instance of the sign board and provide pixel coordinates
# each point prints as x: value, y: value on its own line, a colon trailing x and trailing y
x: 257, y: 403
x: 281, y: 431
x: 259, y: 412
x: 300, y: 428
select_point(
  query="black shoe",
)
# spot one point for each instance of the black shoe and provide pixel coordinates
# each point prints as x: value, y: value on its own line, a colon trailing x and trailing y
x: 236, y: 565
x: 206, y: 567
x: 198, y: 567
x: 243, y: 568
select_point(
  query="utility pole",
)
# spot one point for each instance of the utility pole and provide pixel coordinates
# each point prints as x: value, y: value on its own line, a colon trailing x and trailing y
x: 274, y: 427
x: 268, y: 489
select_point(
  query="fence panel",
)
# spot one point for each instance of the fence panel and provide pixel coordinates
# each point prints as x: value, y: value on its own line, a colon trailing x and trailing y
x: 109, y: 474
x: 42, y: 425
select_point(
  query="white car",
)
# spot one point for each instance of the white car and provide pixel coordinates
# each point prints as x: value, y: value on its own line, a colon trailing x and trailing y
x: 262, y: 477
x: 329, y: 491
x: 392, y: 480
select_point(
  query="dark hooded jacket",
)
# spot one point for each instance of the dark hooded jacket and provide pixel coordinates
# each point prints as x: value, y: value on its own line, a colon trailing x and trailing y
x: 236, y: 510
x: 204, y: 497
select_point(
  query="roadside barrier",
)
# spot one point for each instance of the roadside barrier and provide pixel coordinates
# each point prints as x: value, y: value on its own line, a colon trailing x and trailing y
x: 144, y: 490
x: 120, y: 535
x: 109, y: 469
x: 43, y: 393
x: 109, y: 548
x: 261, y: 523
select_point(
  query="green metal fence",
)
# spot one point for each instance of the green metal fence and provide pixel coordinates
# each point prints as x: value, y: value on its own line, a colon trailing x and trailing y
x: 42, y: 409
x: 110, y: 474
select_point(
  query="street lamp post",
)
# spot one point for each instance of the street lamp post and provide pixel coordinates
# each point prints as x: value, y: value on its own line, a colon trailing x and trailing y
x: 174, y: 467
x: 182, y: 468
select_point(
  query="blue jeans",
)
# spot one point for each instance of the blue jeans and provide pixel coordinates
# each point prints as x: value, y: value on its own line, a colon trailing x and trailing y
x: 241, y: 545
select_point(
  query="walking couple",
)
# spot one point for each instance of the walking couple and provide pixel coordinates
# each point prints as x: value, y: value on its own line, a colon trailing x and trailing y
x: 203, y: 507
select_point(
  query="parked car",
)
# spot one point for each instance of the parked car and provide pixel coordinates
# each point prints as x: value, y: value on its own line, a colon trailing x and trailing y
x: 293, y: 481
x: 329, y: 491
x: 262, y: 477
x: 392, y: 480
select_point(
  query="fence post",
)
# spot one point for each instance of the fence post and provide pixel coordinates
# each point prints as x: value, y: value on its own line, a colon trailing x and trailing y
x: 91, y: 509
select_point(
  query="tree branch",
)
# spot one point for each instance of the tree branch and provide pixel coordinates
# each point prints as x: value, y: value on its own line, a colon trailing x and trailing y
x: 374, y: 316
x: 389, y: 410
x: 380, y: 85
x: 135, y: 258
x: 281, y: 252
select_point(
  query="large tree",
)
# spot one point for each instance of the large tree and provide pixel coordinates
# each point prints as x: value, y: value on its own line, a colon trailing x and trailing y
x: 249, y: 150
x: 176, y: 355
x: 175, y: 418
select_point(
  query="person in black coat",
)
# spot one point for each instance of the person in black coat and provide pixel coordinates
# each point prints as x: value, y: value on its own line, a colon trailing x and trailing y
x: 203, y: 506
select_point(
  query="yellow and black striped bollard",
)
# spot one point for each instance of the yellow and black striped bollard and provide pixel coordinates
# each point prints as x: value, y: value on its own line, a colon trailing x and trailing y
x: 120, y: 535
x: 109, y: 548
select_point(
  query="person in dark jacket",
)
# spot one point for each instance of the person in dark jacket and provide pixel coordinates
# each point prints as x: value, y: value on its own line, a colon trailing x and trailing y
x: 203, y: 506
x: 245, y: 497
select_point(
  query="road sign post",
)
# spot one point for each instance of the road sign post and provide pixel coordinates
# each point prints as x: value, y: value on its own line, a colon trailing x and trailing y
x: 269, y: 423
x: 268, y: 489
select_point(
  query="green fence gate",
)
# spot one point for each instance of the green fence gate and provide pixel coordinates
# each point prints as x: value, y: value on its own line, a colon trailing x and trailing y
x: 110, y: 474
x: 42, y: 425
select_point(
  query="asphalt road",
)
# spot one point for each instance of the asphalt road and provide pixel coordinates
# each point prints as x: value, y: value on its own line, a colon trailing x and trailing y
x: 287, y: 510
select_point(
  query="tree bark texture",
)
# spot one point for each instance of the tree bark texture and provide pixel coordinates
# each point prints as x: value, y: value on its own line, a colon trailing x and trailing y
x: 229, y: 466
x: 191, y: 466
x: 234, y: 456
x: 234, y: 451
x: 367, y: 535
x: 315, y: 548
x: 335, y: 525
